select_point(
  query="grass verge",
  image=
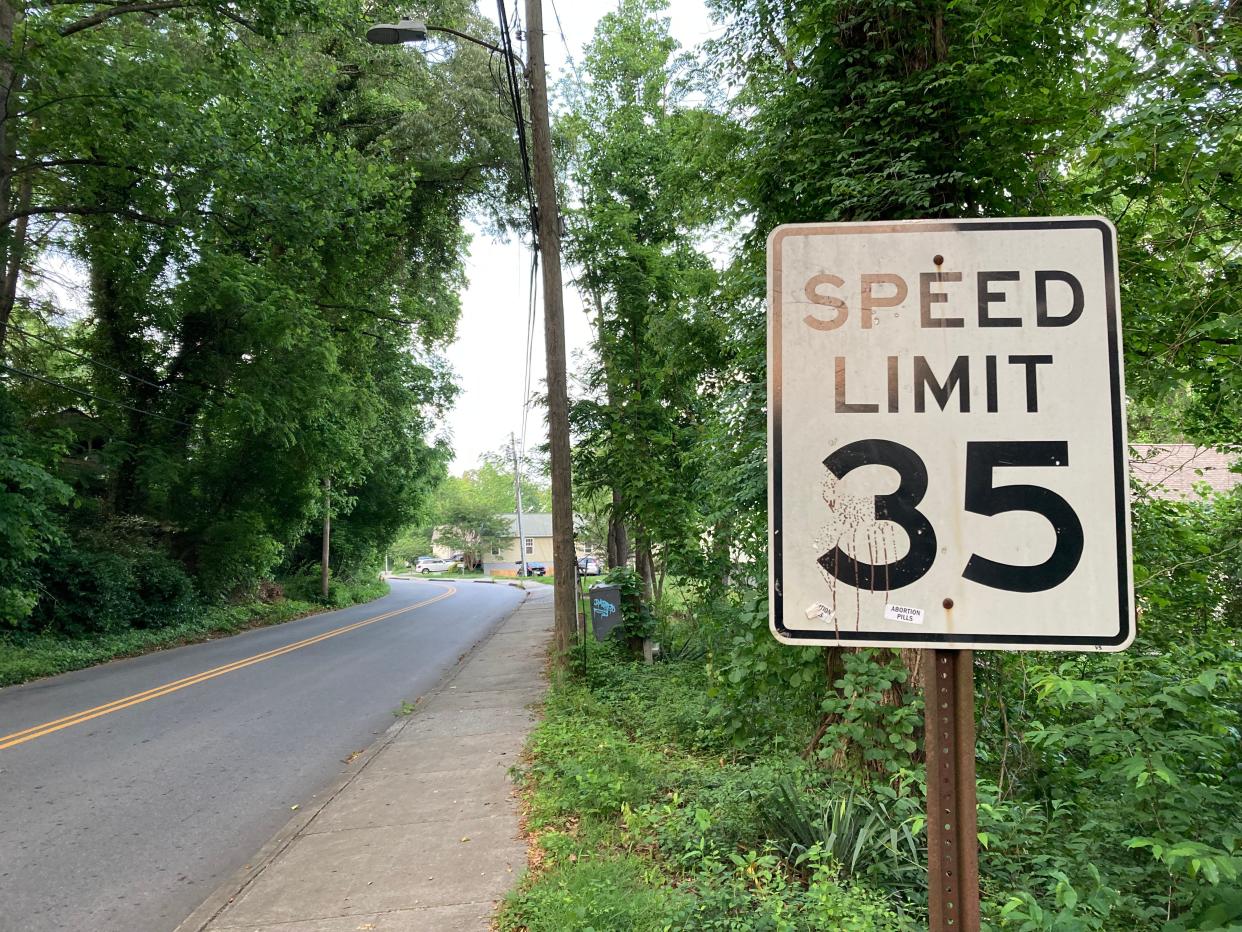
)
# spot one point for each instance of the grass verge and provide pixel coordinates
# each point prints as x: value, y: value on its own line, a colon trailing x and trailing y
x: 641, y: 817
x: 25, y: 657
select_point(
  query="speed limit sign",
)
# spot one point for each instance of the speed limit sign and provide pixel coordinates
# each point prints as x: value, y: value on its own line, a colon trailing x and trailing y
x: 947, y: 445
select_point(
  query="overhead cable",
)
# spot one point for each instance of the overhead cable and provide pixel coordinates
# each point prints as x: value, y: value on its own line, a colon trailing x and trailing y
x: 530, y: 345
x: 90, y: 359
x: 92, y: 397
x: 519, y: 119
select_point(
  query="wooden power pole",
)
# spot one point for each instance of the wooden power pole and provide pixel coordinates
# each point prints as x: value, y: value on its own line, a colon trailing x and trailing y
x: 327, y: 534
x: 517, y: 497
x: 549, y: 222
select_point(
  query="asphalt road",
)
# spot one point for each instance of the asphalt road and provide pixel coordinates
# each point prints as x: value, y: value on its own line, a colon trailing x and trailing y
x: 129, y: 791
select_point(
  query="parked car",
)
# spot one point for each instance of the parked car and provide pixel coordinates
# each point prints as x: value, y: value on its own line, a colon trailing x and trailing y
x: 533, y: 569
x: 589, y: 566
x: 435, y: 565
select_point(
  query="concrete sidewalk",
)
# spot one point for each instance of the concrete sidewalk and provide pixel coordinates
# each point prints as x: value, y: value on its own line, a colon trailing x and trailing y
x: 423, y: 834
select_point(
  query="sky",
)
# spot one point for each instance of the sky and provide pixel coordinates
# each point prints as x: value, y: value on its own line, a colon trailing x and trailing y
x: 489, y: 355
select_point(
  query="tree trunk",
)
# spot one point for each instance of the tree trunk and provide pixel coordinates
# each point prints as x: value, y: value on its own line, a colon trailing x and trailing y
x: 16, y: 252
x: 8, y: 79
x: 564, y: 557
x: 834, y: 667
x: 618, y: 538
x: 118, y: 341
x: 646, y: 566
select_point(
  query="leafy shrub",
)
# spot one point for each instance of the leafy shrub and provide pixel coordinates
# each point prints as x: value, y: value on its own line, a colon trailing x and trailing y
x: 307, y: 586
x: 29, y: 524
x: 164, y: 591
x: 619, y: 775
x: 638, y: 621
x: 1069, y: 912
x: 591, y: 768
x: 90, y: 593
x: 234, y: 554
x: 755, y: 892
x: 765, y: 693
x: 716, y: 810
x: 873, y: 717
x: 663, y: 701
x: 855, y: 832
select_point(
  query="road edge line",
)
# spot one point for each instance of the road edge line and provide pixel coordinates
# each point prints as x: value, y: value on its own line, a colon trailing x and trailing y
x: 236, y: 885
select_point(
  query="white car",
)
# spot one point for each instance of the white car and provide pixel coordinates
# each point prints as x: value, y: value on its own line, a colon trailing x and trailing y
x: 436, y: 566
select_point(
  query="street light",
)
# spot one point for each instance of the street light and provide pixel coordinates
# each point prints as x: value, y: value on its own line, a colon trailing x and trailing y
x: 546, y: 218
x: 407, y: 30
x: 412, y: 30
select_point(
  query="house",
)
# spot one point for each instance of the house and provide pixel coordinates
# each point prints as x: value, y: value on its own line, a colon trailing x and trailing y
x: 1175, y: 470
x: 537, y: 531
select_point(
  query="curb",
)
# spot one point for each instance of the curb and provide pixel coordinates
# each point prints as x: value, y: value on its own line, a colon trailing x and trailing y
x: 235, y: 885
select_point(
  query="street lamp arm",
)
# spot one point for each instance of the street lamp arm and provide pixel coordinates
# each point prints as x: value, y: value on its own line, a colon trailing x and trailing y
x: 412, y: 30
x: 475, y: 40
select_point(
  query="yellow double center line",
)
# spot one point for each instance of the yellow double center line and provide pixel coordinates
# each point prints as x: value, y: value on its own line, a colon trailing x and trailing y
x: 38, y: 731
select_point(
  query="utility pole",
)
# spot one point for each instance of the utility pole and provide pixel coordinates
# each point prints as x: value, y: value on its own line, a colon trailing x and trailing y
x: 517, y: 494
x: 549, y: 222
x: 327, y: 534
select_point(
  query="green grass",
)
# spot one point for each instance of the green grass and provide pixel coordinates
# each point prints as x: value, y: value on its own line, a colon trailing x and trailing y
x: 646, y: 819
x: 605, y: 893
x: 25, y: 657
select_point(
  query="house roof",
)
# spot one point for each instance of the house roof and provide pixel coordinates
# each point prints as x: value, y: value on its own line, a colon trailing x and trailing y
x: 534, y: 524
x: 1174, y: 469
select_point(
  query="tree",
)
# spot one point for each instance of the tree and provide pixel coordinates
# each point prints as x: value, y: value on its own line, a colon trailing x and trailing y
x: 492, y: 482
x: 411, y: 544
x: 632, y: 235
x: 473, y: 529
x: 267, y: 223
x: 868, y: 110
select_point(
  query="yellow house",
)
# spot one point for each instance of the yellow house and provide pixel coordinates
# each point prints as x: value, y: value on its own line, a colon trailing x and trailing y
x: 536, y: 542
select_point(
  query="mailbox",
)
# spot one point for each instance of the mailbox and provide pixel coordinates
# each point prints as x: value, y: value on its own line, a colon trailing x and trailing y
x: 605, y: 610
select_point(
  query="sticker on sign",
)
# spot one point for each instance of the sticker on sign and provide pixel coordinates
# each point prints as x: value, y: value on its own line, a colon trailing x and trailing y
x: 947, y: 430
x: 904, y: 613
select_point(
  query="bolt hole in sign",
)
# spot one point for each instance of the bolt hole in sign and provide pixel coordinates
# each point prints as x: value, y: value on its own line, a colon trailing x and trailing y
x: 947, y: 441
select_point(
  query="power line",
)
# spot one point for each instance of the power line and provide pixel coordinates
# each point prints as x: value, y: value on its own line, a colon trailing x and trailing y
x: 515, y: 96
x: 91, y: 360
x: 565, y: 42
x: 86, y: 394
x: 507, y: 28
x: 530, y: 344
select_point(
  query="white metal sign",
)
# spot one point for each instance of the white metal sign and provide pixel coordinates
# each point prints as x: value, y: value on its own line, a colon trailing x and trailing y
x: 946, y: 426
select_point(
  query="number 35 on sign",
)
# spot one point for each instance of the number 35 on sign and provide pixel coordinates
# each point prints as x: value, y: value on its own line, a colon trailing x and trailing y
x: 947, y: 446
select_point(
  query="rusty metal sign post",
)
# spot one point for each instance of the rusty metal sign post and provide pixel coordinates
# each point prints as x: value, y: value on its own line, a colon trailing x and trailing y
x: 952, y: 834
x: 947, y: 465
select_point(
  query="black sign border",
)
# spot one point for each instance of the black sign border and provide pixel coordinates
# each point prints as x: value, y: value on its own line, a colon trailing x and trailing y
x: 1120, y: 481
